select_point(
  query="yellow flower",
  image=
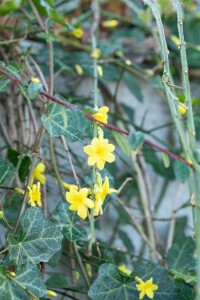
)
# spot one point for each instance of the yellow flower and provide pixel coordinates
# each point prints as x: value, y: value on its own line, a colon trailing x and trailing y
x: 13, y: 274
x: 101, y: 114
x: 101, y: 191
x: 96, y: 53
x: 37, y: 173
x: 182, y: 109
x: 70, y: 186
x: 99, y: 152
x: 79, y: 201
x: 146, y: 288
x: 34, y: 195
x: 51, y: 293
x: 35, y: 80
x: 77, y: 33
x: 123, y: 269
x: 110, y: 23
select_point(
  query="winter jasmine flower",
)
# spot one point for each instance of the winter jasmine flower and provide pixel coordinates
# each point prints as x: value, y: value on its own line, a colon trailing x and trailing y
x: 79, y: 201
x: 101, y: 114
x: 146, y: 288
x: 99, y: 152
x: 34, y: 195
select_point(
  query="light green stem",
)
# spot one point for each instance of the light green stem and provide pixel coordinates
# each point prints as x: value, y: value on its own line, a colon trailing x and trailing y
x: 145, y: 205
x: 186, y: 83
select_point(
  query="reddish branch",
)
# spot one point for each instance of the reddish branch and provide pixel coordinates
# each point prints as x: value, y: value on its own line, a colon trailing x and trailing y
x: 108, y: 126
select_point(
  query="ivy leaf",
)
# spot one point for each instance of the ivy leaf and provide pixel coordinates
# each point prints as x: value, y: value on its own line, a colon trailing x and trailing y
x: 135, y: 139
x: 28, y: 276
x: 34, y: 89
x: 38, y: 241
x: 6, y: 170
x: 58, y: 121
x: 66, y: 221
x: 111, y: 284
x: 181, y: 171
x: 166, y: 288
x: 181, y: 256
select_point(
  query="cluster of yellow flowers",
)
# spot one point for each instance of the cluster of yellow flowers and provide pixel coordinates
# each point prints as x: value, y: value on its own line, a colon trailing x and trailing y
x: 145, y: 287
x: 99, y: 152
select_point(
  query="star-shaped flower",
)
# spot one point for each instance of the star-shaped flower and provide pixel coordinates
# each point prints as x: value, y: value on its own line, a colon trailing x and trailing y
x: 101, y: 114
x: 146, y: 288
x: 34, y: 195
x: 99, y: 152
x: 79, y: 201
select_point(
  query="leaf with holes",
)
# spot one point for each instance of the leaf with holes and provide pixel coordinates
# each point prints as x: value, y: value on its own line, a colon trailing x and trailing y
x: 66, y: 221
x: 59, y: 121
x: 38, y: 241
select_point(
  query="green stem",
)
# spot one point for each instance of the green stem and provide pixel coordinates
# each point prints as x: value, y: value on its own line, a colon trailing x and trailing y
x: 86, y: 279
x: 197, y: 231
x: 95, y: 87
x: 145, y: 205
x: 186, y: 83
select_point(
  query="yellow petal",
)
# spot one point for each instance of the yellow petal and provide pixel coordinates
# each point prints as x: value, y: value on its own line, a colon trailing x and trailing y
x: 92, y: 160
x: 82, y: 211
x: 88, y: 202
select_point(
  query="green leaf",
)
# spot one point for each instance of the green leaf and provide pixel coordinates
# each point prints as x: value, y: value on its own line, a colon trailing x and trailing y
x: 133, y: 85
x: 4, y: 84
x: 57, y: 281
x: 27, y: 276
x: 135, y: 139
x: 34, y: 89
x: 14, y: 156
x: 66, y: 221
x: 181, y: 256
x: 167, y: 290
x: 38, y: 241
x: 111, y: 285
x: 6, y: 170
x: 9, y: 6
x: 166, y: 160
x: 122, y: 142
x: 59, y: 121
x: 184, y: 275
x: 45, y: 8
x: 181, y: 171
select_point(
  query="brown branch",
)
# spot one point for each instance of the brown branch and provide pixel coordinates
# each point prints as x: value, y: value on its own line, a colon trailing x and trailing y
x: 108, y: 126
